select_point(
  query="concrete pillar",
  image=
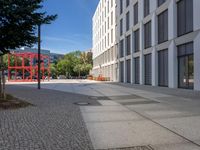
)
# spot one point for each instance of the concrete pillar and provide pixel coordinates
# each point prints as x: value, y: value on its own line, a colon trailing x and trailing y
x: 141, y: 55
x: 173, y: 66
x: 197, y: 63
x: 154, y: 67
x: 154, y: 52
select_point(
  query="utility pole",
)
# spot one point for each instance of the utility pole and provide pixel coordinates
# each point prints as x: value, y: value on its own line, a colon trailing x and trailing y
x: 39, y: 51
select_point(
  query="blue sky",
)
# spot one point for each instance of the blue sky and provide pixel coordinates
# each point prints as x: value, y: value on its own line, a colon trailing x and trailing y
x: 73, y: 28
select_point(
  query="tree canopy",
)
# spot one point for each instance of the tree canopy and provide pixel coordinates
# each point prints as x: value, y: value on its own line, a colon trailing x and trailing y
x: 76, y: 63
x: 18, y: 23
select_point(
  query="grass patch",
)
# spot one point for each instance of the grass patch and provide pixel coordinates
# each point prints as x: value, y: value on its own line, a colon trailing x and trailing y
x: 13, y: 103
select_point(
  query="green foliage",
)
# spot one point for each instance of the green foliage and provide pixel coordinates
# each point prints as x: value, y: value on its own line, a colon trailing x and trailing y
x: 18, y: 23
x: 75, y: 64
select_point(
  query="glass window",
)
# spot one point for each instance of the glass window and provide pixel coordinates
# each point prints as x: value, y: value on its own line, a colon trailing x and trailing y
x: 121, y: 27
x: 127, y: 3
x: 160, y: 2
x: 128, y: 45
x: 184, y: 17
x: 147, y: 68
x: 186, y: 66
x: 146, y: 7
x: 122, y: 71
x: 137, y: 40
x: 147, y: 35
x: 163, y: 27
x: 121, y: 6
x: 163, y: 68
x: 127, y: 21
x: 128, y: 71
x: 135, y: 13
x: 137, y: 70
x: 121, y: 47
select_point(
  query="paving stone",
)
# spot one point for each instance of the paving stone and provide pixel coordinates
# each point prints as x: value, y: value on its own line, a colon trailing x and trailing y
x: 54, y: 123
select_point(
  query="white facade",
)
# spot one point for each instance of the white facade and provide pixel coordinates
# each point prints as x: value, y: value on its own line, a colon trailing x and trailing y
x: 104, y: 40
x: 170, y: 44
x: 174, y: 77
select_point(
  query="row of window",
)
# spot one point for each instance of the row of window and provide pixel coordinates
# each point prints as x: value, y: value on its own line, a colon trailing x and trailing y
x: 146, y: 6
x: 184, y: 26
x: 185, y: 68
x: 105, y: 57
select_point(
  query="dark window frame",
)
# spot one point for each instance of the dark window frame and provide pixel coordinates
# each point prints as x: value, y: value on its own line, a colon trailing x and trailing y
x: 147, y: 35
x: 146, y: 8
x: 163, y: 27
x: 137, y: 40
x: 127, y: 21
x: 135, y: 10
x: 184, y: 17
x: 160, y: 2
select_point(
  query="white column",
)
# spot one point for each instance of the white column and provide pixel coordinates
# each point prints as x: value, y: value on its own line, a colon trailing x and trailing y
x: 197, y: 63
x: 141, y: 55
x: 154, y: 52
x: 172, y: 51
x: 154, y: 67
x: 173, y: 66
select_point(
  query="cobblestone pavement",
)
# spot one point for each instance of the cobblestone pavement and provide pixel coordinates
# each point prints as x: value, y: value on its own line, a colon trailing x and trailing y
x: 54, y: 123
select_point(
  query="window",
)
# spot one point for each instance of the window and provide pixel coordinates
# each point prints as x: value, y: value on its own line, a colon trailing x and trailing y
x: 128, y: 45
x: 128, y: 71
x: 112, y: 36
x: 121, y: 47
x: 127, y: 21
x: 135, y: 13
x: 111, y: 3
x: 137, y: 40
x: 121, y: 6
x: 111, y: 18
x: 121, y: 27
x: 163, y: 27
x: 186, y: 66
x: 184, y: 17
x: 160, y: 2
x: 108, y: 6
x: 163, y: 68
x: 122, y: 71
x: 147, y: 67
x: 105, y: 26
x: 108, y: 38
x: 108, y: 23
x: 127, y: 3
x: 137, y: 70
x: 147, y: 35
x: 146, y: 7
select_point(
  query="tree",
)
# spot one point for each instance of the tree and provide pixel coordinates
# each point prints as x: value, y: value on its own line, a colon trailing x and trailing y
x: 19, y: 20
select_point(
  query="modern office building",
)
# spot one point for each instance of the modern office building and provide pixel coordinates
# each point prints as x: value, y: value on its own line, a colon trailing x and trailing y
x: 159, y: 42
x: 104, y: 42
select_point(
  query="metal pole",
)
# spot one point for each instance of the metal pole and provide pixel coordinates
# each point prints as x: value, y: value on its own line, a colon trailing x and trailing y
x: 39, y: 59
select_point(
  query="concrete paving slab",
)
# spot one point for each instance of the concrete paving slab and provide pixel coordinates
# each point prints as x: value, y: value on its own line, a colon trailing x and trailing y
x: 128, y: 133
x: 188, y: 127
x: 177, y: 146
x: 111, y: 117
x: 163, y: 113
x: 108, y: 103
x: 90, y: 109
x: 129, y: 100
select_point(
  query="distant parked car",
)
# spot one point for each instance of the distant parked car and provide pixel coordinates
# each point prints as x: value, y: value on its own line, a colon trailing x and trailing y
x: 62, y: 77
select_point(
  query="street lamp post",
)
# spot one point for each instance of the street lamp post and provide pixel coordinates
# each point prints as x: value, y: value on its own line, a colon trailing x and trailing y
x: 39, y: 51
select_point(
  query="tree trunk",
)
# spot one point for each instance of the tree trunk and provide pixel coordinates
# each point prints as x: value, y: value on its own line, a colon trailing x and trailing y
x: 3, y: 81
x: 0, y: 79
x: 4, y: 85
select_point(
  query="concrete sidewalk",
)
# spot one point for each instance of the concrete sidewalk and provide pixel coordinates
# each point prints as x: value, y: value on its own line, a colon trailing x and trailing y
x: 132, y: 117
